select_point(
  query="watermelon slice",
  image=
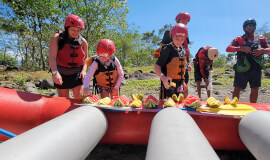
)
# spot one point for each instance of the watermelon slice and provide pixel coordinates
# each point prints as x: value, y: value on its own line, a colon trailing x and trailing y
x: 120, y: 101
x: 192, y: 102
x: 91, y: 99
x: 150, y: 102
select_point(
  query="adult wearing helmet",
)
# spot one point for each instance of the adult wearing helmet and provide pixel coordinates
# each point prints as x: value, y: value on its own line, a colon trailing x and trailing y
x: 249, y: 47
x: 67, y: 52
x: 203, y: 63
x: 106, y: 70
x: 171, y: 65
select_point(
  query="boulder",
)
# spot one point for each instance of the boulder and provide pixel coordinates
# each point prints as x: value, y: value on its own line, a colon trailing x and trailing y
x: 47, y: 83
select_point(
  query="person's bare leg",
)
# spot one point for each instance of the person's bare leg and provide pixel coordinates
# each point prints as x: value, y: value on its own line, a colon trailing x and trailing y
x: 236, y: 92
x: 63, y: 93
x: 76, y: 91
x: 254, y: 95
x: 198, y: 83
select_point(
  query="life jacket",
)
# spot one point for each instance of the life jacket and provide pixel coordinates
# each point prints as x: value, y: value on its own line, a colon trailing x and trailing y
x: 254, y: 62
x: 70, y: 52
x: 105, y: 76
x: 207, y: 61
x: 176, y: 67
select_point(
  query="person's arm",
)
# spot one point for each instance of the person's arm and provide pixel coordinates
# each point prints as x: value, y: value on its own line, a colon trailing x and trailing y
x: 237, y: 46
x: 265, y: 49
x: 165, y: 80
x: 90, y: 74
x: 120, y: 73
x: 88, y: 78
x: 53, y: 50
x: 85, y: 49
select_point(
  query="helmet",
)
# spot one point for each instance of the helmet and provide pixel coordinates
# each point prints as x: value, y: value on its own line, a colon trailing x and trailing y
x: 74, y: 21
x: 105, y: 47
x: 184, y: 16
x: 249, y: 21
x: 179, y: 29
x: 212, y: 53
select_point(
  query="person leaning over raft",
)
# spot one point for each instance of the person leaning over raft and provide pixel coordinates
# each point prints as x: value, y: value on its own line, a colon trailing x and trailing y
x: 249, y: 47
x: 203, y: 67
x: 106, y: 69
x: 67, y: 52
x: 171, y: 65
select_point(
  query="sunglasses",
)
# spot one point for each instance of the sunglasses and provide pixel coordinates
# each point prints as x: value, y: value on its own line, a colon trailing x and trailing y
x: 249, y: 25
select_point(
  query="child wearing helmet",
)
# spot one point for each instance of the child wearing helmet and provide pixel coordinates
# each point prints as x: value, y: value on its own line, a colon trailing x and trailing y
x: 203, y: 69
x: 171, y: 65
x: 67, y: 52
x: 183, y: 17
x: 106, y: 70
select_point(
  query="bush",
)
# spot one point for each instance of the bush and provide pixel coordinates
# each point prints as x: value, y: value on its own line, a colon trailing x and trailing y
x: 267, y: 65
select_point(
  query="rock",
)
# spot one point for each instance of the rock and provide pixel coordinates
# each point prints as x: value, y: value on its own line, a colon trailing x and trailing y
x: 38, y: 83
x: 30, y: 87
x: 267, y: 72
x: 123, y: 83
x: 217, y: 83
x: 216, y: 92
x: 29, y: 79
x: 138, y: 72
x: 2, y: 67
x: 47, y: 83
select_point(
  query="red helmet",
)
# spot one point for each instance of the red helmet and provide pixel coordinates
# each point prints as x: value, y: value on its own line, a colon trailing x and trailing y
x: 105, y: 47
x: 74, y: 21
x: 184, y: 16
x: 179, y: 29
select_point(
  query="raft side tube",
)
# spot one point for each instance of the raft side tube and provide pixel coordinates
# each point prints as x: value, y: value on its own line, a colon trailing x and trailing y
x: 175, y: 135
x: 254, y: 131
x: 70, y: 136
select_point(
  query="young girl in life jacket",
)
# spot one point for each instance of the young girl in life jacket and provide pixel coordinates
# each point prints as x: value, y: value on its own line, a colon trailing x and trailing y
x: 171, y: 65
x: 67, y: 52
x: 106, y: 70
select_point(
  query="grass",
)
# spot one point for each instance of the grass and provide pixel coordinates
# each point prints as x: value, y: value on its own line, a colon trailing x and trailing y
x: 140, y: 86
x: 132, y: 86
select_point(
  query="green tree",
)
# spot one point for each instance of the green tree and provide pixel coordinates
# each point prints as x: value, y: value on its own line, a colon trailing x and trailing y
x: 220, y: 62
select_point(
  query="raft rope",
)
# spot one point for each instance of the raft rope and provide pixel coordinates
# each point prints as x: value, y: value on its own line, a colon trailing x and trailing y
x: 7, y: 133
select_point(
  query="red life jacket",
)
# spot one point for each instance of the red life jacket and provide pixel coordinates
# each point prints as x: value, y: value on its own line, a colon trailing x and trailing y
x: 70, y: 52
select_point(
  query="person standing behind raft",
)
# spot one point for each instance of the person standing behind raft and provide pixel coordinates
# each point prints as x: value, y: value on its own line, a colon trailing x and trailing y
x: 67, y: 52
x: 183, y: 17
x: 171, y: 65
x: 106, y: 69
x: 203, y: 67
x: 249, y: 47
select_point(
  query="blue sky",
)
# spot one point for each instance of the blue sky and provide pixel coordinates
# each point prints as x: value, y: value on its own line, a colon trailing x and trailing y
x: 213, y: 22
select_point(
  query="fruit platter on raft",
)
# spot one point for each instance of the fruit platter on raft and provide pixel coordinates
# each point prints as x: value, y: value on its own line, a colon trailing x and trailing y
x: 191, y: 103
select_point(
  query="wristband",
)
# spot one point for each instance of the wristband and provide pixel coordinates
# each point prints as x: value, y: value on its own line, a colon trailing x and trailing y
x: 54, y: 72
x: 161, y: 75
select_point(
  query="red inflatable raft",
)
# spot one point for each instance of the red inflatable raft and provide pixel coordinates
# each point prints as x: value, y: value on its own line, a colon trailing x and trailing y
x: 21, y: 111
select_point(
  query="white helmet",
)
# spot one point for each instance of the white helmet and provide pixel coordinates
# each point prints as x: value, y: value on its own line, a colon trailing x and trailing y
x: 212, y: 53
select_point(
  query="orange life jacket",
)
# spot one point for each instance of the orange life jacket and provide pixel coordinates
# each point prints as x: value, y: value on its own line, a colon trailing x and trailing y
x: 106, y: 76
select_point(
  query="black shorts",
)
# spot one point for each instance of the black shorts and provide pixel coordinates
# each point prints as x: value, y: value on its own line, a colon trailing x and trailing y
x: 253, y: 77
x: 186, y: 76
x: 70, y: 81
x: 164, y: 93
x: 197, y: 73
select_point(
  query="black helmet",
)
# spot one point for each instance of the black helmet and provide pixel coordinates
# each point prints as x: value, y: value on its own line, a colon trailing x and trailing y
x: 249, y: 21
